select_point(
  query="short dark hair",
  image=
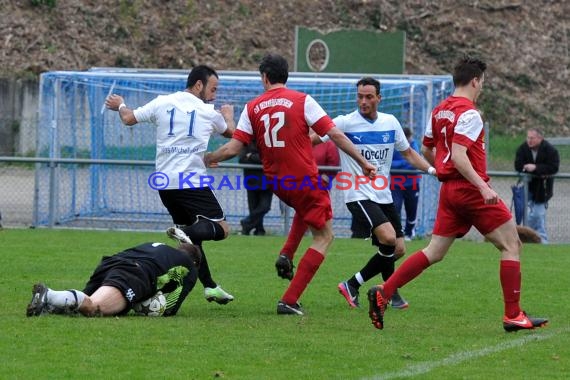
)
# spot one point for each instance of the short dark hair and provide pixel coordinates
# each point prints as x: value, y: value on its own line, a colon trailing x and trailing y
x: 369, y: 81
x: 275, y: 67
x: 467, y: 69
x: 200, y: 73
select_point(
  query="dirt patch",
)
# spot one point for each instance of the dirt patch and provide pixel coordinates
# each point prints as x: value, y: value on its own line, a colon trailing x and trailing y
x: 525, y: 43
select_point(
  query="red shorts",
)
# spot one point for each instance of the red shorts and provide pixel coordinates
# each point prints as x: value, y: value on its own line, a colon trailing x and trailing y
x: 313, y: 205
x: 461, y: 206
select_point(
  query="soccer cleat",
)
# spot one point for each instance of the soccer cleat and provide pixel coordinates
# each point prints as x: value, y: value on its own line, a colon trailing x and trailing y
x: 522, y: 322
x: 177, y: 234
x: 286, y: 309
x: 38, y: 304
x: 284, y: 267
x: 377, y: 306
x: 218, y: 295
x: 397, y: 302
x: 350, y: 293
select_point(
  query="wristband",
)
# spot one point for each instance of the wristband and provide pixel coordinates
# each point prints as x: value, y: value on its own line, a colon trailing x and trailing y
x: 431, y: 170
x: 122, y: 105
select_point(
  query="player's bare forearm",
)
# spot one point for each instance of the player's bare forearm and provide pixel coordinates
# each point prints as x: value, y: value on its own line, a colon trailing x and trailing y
x: 223, y: 153
x: 415, y: 159
x: 429, y: 154
x: 344, y: 144
x: 116, y: 102
x: 227, y: 112
x: 315, y: 139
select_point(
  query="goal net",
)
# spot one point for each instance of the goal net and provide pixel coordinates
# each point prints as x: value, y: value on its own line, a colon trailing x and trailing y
x: 96, y: 171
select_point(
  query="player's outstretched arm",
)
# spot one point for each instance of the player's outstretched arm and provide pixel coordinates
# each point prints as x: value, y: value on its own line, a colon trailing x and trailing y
x: 417, y: 161
x: 223, y: 153
x: 227, y: 112
x: 116, y: 102
x: 343, y: 143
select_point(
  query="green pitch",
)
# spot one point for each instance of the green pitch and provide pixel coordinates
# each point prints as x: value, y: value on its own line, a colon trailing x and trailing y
x: 452, y: 328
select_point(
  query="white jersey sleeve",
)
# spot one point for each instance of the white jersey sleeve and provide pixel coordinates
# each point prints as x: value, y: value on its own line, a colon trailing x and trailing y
x: 313, y: 111
x: 147, y: 113
x: 469, y: 125
x: 429, y: 131
x: 244, y: 124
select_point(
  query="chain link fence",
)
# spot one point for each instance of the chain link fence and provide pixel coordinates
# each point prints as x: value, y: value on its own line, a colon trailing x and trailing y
x: 20, y: 186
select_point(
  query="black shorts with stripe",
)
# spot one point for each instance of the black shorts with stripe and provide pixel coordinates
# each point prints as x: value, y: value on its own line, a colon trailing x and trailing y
x: 372, y: 214
x: 187, y: 205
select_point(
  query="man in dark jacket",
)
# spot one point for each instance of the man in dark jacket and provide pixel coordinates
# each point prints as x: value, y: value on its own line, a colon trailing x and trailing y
x: 258, y: 196
x: 539, y: 158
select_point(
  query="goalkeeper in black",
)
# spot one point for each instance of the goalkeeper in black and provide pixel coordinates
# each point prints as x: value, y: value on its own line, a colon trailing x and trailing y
x: 126, y: 278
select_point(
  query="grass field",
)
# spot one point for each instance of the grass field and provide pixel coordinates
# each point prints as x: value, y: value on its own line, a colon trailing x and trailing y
x: 452, y: 329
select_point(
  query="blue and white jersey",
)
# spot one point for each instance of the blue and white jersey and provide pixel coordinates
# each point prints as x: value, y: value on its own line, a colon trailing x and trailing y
x: 184, y: 125
x: 376, y: 141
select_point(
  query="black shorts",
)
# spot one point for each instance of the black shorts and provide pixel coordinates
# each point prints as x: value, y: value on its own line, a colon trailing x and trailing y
x: 187, y: 205
x: 125, y: 275
x: 372, y: 214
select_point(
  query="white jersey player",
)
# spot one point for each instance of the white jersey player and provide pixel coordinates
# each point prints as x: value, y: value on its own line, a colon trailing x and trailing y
x: 184, y: 123
x: 375, y: 135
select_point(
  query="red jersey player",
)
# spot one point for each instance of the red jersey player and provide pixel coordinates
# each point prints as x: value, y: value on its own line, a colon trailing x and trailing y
x: 279, y: 120
x: 454, y: 144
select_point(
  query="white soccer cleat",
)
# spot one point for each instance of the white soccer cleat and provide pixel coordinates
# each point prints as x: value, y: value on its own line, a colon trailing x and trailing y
x: 177, y: 234
x: 217, y: 295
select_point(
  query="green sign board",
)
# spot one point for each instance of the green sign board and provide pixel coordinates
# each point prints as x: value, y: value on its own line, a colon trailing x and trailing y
x: 349, y: 51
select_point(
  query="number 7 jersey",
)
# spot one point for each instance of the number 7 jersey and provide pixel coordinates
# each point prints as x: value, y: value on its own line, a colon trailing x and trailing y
x: 456, y: 120
x: 279, y: 121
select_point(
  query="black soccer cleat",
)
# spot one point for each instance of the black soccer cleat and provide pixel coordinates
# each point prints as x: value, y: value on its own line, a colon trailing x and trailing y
x: 284, y: 267
x: 287, y: 309
x: 37, y: 305
x: 377, y: 305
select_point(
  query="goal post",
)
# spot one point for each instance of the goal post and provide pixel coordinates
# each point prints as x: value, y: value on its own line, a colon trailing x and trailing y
x: 105, y: 180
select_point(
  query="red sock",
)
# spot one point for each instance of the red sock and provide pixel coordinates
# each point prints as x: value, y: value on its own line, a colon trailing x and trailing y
x: 308, y: 266
x: 410, y: 269
x: 510, y: 275
x: 298, y: 229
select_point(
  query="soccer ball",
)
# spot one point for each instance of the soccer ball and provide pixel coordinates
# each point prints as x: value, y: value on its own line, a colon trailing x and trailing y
x: 152, y: 307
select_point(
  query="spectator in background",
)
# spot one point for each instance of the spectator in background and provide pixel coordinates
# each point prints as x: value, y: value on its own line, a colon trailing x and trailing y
x: 407, y: 193
x: 358, y: 230
x: 538, y: 157
x: 258, y: 196
x: 326, y: 155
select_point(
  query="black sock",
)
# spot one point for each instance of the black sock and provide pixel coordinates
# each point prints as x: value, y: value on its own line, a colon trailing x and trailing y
x: 387, y: 267
x: 203, y: 230
x: 204, y: 272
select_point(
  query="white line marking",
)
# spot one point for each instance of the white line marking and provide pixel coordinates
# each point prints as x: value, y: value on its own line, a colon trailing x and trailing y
x: 425, y: 367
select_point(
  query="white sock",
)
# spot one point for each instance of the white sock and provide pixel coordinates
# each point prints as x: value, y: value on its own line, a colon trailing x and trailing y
x: 359, y: 278
x: 65, y: 298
